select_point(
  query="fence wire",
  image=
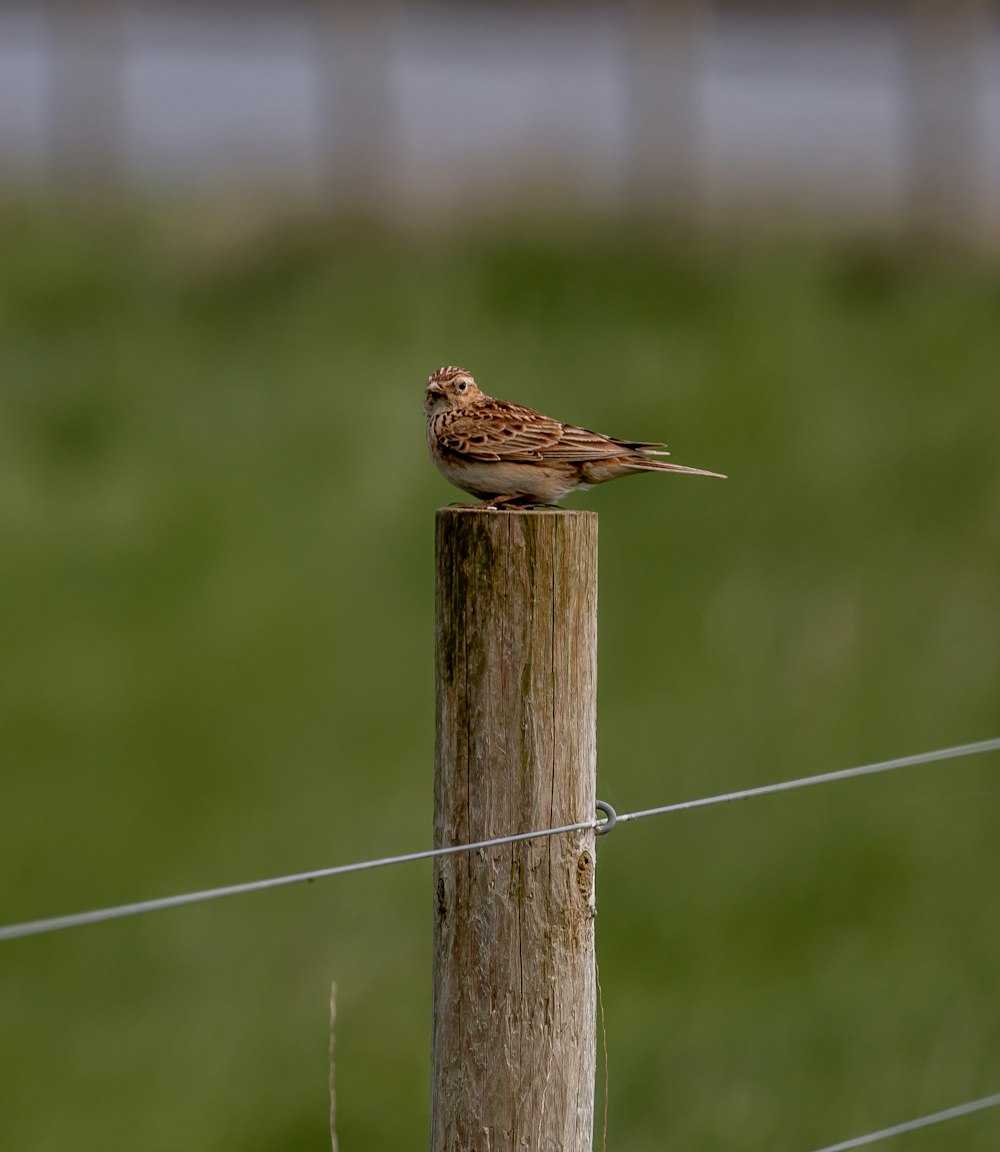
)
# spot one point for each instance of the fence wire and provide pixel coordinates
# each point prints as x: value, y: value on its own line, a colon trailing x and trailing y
x: 121, y: 911
x: 913, y: 1125
x: 610, y: 820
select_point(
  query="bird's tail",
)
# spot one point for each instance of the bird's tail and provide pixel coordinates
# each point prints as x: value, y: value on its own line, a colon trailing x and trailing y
x: 597, y: 471
x: 645, y: 464
x: 639, y: 459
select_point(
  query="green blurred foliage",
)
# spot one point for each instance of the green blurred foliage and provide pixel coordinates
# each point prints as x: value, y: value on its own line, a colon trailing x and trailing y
x: 217, y: 628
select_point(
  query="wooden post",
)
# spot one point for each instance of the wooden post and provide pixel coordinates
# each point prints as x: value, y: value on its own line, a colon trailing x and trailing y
x: 86, y: 109
x: 665, y: 165
x: 514, y: 1032
x: 944, y: 84
x: 358, y: 118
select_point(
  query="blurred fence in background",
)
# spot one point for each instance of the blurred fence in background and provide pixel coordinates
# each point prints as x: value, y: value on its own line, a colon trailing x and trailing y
x: 881, y: 116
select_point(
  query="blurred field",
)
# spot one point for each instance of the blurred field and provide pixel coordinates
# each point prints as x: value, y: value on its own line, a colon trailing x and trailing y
x: 217, y: 627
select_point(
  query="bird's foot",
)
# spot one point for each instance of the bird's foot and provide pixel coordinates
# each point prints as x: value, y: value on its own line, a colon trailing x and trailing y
x: 500, y: 503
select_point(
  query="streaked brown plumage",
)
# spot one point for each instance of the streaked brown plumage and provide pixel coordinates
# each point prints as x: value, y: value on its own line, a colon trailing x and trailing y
x: 505, y: 453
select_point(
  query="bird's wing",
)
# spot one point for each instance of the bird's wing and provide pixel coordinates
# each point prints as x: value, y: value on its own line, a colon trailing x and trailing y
x: 498, y: 430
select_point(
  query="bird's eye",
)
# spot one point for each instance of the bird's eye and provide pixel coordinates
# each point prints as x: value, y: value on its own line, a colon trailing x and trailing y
x: 462, y: 385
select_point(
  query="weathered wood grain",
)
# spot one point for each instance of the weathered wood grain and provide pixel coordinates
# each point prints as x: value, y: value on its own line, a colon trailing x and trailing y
x: 514, y: 1039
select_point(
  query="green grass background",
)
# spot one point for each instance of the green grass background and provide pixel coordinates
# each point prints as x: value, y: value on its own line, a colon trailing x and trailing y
x: 216, y: 635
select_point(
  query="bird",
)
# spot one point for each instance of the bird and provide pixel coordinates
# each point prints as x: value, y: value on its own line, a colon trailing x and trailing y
x: 507, y: 455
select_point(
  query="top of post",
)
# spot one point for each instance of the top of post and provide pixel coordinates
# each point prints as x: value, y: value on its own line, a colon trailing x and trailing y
x: 458, y: 511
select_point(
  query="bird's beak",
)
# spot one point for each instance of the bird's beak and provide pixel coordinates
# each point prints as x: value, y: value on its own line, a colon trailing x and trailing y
x: 435, y: 390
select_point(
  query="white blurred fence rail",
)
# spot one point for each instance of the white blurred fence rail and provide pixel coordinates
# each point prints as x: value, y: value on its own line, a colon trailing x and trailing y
x: 881, y: 116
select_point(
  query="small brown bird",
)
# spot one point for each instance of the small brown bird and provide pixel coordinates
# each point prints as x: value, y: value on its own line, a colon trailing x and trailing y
x: 506, y: 454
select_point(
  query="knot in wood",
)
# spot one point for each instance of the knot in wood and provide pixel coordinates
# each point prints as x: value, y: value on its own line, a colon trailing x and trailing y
x: 585, y: 876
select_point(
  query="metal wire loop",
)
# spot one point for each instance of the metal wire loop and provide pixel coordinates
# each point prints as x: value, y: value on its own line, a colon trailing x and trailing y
x: 610, y: 821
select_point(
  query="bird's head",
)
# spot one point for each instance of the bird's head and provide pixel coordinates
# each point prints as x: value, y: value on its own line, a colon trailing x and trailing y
x: 449, y: 388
